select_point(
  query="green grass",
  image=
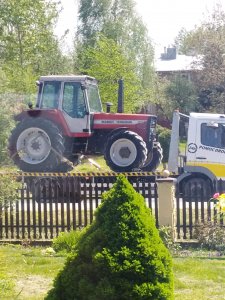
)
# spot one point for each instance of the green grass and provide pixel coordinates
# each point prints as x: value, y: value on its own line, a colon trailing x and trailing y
x: 28, y: 273
x: 86, y: 166
x: 83, y: 167
x: 199, y: 278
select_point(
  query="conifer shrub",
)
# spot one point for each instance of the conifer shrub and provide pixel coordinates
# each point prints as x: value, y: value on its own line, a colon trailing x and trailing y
x: 120, y: 256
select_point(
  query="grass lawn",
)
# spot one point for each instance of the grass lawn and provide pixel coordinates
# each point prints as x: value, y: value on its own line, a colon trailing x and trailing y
x: 28, y: 273
x: 200, y: 277
x: 86, y: 165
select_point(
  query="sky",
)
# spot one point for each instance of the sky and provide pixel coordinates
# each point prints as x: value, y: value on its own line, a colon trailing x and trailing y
x: 163, y: 18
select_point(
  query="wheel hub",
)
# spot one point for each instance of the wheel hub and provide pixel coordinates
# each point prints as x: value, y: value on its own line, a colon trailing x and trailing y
x: 124, y: 152
x: 35, y: 145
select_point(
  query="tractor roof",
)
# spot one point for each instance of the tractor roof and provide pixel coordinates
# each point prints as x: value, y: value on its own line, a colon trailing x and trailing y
x: 67, y: 78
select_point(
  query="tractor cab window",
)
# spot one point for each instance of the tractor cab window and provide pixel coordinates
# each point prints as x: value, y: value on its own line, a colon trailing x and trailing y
x: 94, y: 99
x: 213, y: 136
x: 73, y: 100
x: 50, y: 94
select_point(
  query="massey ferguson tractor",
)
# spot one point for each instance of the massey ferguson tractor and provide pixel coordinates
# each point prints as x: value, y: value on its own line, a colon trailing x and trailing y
x: 68, y: 122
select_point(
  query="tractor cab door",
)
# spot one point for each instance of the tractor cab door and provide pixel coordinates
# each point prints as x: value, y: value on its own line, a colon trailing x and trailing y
x: 75, y: 107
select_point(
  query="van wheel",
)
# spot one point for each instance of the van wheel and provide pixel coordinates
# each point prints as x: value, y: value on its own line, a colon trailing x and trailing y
x: 199, y: 189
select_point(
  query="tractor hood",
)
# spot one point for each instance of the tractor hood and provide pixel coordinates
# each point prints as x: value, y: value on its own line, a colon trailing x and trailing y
x: 111, y: 119
x: 134, y: 122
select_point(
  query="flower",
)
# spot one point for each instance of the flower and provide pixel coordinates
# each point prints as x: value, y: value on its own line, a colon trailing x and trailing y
x: 219, y: 202
x: 216, y: 195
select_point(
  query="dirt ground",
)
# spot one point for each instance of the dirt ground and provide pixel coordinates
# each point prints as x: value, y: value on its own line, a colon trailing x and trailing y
x: 33, y: 287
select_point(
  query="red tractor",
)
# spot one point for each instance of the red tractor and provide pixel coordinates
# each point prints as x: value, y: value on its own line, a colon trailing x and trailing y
x: 68, y: 121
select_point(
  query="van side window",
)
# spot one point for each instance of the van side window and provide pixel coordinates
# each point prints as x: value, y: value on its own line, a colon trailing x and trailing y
x: 213, y: 136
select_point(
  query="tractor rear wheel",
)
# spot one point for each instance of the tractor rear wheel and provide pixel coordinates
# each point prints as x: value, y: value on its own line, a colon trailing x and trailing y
x: 125, y: 151
x: 154, y: 159
x: 36, y: 145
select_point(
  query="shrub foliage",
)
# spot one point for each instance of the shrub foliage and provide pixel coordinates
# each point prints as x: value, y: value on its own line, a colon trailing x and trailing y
x: 210, y: 235
x: 66, y: 241
x: 9, y: 186
x: 164, y: 139
x: 120, y: 256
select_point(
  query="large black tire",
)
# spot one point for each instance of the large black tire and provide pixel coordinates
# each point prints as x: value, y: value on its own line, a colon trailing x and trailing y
x: 125, y: 151
x: 36, y: 145
x: 199, y: 189
x: 154, y: 159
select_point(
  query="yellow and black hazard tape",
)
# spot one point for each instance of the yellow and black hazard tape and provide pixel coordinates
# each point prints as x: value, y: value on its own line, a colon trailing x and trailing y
x: 88, y: 174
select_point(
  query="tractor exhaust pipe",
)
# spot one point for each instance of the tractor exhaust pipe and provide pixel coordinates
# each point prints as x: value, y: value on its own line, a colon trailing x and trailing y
x: 120, y: 107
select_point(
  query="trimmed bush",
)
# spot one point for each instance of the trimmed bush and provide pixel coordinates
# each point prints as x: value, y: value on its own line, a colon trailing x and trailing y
x: 120, y: 256
x: 164, y: 135
x: 66, y: 241
x: 210, y: 236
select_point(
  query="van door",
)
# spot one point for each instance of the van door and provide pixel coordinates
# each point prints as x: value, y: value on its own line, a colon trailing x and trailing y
x: 211, y: 146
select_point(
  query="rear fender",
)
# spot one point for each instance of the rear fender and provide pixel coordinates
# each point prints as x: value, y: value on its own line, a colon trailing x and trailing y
x: 53, y: 115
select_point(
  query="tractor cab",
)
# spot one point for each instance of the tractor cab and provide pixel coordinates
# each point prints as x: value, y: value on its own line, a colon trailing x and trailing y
x: 77, y: 97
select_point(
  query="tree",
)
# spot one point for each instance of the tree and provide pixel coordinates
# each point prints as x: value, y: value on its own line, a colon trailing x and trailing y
x: 9, y: 105
x: 28, y: 49
x: 118, y: 20
x: 208, y: 41
x: 120, y: 256
x: 107, y: 63
x: 113, y: 18
x: 9, y: 186
x: 181, y: 94
x: 28, y: 46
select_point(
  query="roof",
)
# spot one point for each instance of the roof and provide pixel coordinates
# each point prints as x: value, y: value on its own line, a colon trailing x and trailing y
x: 207, y: 116
x: 180, y: 63
x: 66, y: 78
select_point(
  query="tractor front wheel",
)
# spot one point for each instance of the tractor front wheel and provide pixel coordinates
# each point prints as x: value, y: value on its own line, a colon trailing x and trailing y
x: 125, y: 151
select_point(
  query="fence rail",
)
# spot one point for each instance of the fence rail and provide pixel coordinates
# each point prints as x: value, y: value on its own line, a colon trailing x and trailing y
x: 196, y: 209
x: 47, y: 206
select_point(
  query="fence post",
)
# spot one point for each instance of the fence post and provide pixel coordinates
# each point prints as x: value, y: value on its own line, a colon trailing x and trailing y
x: 166, y: 206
